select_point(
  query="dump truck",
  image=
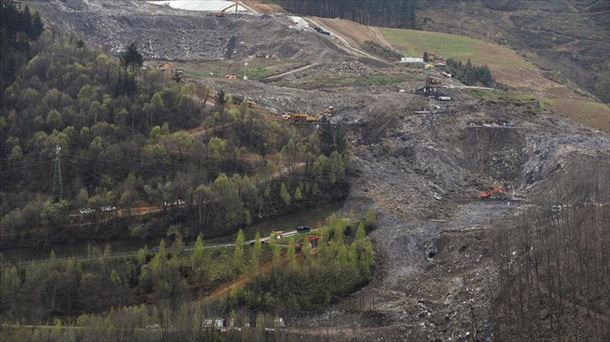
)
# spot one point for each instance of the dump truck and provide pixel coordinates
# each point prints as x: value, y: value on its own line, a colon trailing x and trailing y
x: 277, y: 234
x: 303, y: 117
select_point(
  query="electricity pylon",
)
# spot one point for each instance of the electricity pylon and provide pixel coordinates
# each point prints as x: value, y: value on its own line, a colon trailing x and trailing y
x: 58, y: 188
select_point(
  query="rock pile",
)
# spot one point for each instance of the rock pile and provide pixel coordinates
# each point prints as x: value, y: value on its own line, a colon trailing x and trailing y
x: 352, y: 69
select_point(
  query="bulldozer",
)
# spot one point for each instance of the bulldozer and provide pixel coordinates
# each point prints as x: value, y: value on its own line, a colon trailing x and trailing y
x: 221, y: 13
x: 494, y: 193
x: 303, y: 117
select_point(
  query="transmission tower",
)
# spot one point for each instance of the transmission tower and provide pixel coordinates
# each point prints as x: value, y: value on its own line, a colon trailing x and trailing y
x: 58, y: 188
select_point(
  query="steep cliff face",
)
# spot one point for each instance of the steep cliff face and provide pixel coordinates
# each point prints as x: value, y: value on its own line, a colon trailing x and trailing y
x: 568, y: 36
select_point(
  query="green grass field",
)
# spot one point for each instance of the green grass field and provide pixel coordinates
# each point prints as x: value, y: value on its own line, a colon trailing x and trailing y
x: 507, y: 67
x: 414, y: 43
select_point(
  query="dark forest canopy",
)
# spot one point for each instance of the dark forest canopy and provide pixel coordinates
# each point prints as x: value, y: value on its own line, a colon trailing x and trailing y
x: 392, y: 13
x: 18, y: 26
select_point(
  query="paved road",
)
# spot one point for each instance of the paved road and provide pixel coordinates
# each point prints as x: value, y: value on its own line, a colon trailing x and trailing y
x: 133, y: 254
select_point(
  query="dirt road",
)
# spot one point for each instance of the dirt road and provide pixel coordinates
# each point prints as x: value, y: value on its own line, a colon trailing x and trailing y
x: 290, y: 72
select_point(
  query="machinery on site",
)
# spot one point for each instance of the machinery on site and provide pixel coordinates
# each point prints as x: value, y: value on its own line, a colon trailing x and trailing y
x: 277, y: 234
x: 313, y: 241
x: 303, y: 117
x: 494, y: 193
x: 221, y: 13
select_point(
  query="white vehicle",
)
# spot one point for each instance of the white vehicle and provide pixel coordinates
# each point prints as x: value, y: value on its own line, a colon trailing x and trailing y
x: 86, y: 211
x: 177, y: 203
x: 108, y: 208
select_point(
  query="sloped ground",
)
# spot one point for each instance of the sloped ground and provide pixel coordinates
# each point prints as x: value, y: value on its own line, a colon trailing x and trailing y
x: 165, y: 33
x: 566, y: 35
x: 509, y: 68
x: 437, y: 275
x: 421, y: 172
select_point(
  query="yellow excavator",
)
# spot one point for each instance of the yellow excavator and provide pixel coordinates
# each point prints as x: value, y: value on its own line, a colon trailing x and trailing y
x: 221, y: 13
x: 302, y: 117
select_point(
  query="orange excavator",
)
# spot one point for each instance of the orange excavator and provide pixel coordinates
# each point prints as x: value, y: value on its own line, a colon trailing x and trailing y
x: 494, y: 193
x: 221, y: 13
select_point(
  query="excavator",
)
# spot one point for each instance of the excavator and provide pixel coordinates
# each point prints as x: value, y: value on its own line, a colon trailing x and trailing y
x: 494, y: 193
x: 221, y: 13
x: 302, y: 117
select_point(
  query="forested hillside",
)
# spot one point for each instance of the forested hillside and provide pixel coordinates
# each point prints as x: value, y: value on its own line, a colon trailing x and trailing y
x: 18, y: 26
x: 392, y: 13
x: 133, y: 141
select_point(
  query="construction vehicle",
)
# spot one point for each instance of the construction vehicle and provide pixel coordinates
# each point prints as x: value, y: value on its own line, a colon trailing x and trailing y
x: 221, y: 13
x: 313, y: 241
x: 302, y: 117
x: 494, y: 193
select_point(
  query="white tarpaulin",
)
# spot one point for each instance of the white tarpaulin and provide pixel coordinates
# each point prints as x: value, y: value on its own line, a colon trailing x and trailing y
x: 199, y: 5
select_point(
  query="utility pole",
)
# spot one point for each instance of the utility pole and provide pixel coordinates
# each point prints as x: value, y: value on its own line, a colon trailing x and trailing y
x: 58, y: 189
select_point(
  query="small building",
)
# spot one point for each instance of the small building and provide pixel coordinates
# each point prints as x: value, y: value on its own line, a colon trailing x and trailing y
x: 412, y: 60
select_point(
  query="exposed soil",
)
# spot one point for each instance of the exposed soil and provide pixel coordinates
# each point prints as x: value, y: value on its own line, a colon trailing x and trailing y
x: 422, y: 172
x: 165, y: 33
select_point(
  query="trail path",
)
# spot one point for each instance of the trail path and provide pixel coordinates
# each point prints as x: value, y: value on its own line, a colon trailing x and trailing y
x: 290, y: 72
x: 345, y: 45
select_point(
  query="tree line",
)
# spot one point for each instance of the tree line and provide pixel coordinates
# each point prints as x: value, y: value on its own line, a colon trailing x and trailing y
x: 18, y: 27
x: 105, y: 295
x: 553, y: 270
x: 391, y: 13
x: 470, y: 74
x: 341, y: 262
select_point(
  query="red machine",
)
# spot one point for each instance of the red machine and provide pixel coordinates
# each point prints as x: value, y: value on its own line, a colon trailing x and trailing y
x: 494, y: 193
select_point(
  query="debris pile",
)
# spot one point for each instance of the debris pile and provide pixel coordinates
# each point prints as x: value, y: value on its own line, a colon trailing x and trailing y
x: 352, y: 69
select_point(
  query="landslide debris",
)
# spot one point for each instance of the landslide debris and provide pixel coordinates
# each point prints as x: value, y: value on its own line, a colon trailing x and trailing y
x: 419, y: 162
x: 165, y: 33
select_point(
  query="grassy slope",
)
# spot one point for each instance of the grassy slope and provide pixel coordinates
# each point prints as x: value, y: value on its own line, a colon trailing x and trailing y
x: 508, y: 67
x: 414, y: 43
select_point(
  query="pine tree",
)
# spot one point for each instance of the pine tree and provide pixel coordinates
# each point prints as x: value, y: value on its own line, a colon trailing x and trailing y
x: 284, y: 194
x: 199, y: 259
x: 256, y: 253
x: 221, y: 98
x: 238, y: 252
x: 291, y: 254
x: 360, y: 232
x: 276, y: 257
x: 131, y: 58
x: 306, y: 250
x: 142, y: 255
x: 37, y: 26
